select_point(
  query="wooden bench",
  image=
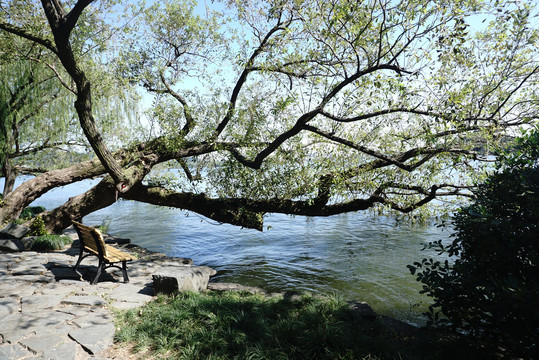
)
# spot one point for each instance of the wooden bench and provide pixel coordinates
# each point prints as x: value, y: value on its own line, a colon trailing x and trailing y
x: 92, y: 243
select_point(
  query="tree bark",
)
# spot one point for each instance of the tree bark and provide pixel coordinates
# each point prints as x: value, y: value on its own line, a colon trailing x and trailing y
x: 10, y: 175
x: 62, y: 24
x: 32, y: 189
x: 99, y: 197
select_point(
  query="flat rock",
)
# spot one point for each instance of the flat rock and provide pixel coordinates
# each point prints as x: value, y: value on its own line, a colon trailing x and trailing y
x: 94, y: 338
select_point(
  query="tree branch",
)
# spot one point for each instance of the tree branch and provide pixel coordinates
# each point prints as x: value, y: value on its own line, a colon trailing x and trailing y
x: 24, y: 34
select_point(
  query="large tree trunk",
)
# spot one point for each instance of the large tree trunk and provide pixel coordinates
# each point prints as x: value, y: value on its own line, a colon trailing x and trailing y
x: 100, y: 196
x: 23, y: 195
x: 10, y: 175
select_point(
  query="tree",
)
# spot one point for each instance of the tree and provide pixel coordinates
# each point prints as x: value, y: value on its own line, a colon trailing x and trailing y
x: 28, y: 94
x: 490, y: 288
x: 39, y: 127
x: 305, y: 108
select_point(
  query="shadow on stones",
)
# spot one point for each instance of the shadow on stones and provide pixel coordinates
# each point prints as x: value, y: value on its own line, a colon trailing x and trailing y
x: 88, y: 272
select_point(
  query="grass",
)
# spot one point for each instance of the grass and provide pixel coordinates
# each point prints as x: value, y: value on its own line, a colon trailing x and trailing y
x: 50, y: 242
x: 234, y: 325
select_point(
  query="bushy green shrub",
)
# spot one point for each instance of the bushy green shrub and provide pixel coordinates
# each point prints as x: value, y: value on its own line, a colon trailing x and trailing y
x: 31, y: 212
x: 37, y: 227
x: 50, y: 242
x: 492, y: 286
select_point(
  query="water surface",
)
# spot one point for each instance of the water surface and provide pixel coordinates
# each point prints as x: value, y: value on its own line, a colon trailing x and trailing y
x: 355, y: 255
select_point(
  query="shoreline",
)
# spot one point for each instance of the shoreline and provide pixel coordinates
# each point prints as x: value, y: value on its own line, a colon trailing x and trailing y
x: 49, y: 311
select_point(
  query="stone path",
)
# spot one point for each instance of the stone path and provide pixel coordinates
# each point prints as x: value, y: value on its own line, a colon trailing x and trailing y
x: 48, y: 312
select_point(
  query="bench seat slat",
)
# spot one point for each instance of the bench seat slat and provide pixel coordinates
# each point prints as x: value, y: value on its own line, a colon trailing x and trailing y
x: 115, y: 255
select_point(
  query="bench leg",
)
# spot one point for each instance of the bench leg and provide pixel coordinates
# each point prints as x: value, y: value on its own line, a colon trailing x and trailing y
x: 99, y: 270
x: 78, y: 264
x: 124, y: 271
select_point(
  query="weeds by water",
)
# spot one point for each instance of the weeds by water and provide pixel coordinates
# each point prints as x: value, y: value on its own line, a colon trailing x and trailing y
x: 235, y: 325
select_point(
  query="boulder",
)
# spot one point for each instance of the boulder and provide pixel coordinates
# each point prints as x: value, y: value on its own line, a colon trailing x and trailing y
x: 14, y: 231
x: 28, y: 242
x: 364, y: 310
x: 181, y: 278
x: 11, y: 245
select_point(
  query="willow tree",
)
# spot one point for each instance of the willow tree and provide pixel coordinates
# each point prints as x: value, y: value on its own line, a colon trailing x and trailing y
x: 29, y: 95
x: 302, y: 107
x: 39, y: 126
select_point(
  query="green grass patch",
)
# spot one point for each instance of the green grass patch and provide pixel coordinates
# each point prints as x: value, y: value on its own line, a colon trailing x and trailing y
x: 233, y: 325
x: 51, y: 242
x: 236, y: 325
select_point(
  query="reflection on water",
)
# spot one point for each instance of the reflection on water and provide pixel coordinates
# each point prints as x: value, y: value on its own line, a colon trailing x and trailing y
x: 357, y: 256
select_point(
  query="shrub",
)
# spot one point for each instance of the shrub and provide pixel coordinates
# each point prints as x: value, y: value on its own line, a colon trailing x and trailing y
x: 50, y: 242
x: 31, y: 212
x: 492, y: 287
x: 37, y: 227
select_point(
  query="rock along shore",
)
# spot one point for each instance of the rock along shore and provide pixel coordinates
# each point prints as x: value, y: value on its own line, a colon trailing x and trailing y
x: 48, y: 312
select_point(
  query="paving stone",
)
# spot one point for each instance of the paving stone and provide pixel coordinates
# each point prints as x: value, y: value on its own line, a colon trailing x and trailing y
x: 69, y: 281
x: 46, y: 278
x: 94, y: 338
x: 62, y: 273
x: 44, y: 342
x: 9, y: 305
x: 28, y: 269
x: 130, y: 293
x: 91, y: 300
x: 121, y: 305
x: 12, y: 351
x: 40, y: 302
x: 58, y: 289
x: 17, y: 288
x: 75, y: 310
x: 19, y: 325
x: 94, y: 318
x: 64, y: 351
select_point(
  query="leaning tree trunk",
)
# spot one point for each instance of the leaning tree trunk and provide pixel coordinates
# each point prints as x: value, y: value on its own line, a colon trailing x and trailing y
x: 15, y: 202
x: 100, y: 196
x: 10, y: 174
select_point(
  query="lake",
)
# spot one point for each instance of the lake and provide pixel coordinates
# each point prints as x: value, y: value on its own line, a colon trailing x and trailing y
x: 357, y: 255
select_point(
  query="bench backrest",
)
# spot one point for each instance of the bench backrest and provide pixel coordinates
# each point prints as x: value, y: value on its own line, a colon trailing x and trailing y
x: 91, y: 238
